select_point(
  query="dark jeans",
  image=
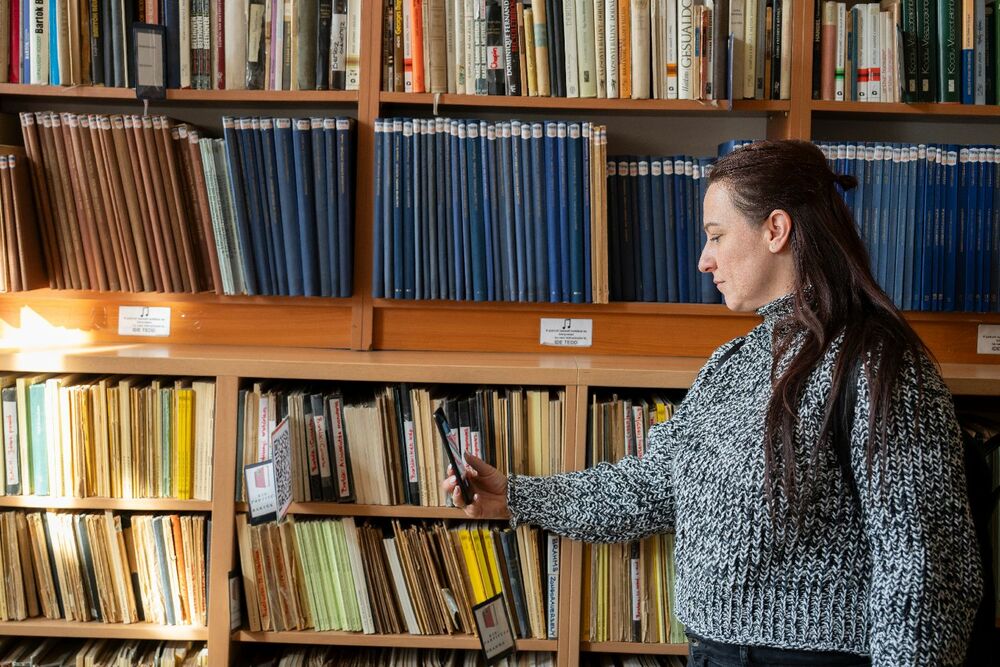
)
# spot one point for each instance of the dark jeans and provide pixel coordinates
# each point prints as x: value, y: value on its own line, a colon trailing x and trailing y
x: 708, y: 653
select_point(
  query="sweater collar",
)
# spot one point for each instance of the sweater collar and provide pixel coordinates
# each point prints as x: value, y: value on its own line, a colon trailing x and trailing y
x: 777, y: 310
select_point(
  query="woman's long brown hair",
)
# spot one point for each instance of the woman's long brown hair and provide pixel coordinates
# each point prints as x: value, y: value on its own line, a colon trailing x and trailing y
x: 834, y: 292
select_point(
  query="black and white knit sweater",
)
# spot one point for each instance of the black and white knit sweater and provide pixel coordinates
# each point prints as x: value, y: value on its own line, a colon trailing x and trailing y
x: 897, y: 580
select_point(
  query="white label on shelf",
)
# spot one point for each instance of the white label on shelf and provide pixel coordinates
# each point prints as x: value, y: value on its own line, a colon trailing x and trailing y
x: 143, y: 321
x: 989, y: 339
x: 567, y: 332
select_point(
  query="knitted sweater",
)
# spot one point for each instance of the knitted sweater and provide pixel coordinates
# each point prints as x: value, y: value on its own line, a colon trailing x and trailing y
x: 898, y: 580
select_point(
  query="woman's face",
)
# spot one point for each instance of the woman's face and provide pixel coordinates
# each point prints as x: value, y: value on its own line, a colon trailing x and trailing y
x: 740, y: 255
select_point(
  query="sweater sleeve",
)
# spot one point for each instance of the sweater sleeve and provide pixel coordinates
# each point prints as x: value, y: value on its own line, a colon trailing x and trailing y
x: 925, y: 575
x: 611, y: 502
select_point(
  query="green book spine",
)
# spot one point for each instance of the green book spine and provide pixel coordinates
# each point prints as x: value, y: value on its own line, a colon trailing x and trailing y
x: 949, y: 67
x: 911, y: 49
x: 38, y: 459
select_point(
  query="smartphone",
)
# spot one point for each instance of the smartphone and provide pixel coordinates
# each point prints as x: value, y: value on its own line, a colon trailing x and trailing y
x: 450, y: 442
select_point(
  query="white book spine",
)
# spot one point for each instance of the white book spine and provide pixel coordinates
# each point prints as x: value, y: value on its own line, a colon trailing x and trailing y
x: 873, y: 46
x: 458, y: 74
x: 840, y: 64
x: 656, y: 52
x: 353, y: 54
x: 480, y: 50
x: 786, y: 49
x: 980, y: 51
x: 750, y: 19
x: 685, y: 50
x: 671, y: 51
x: 640, y: 50
x: 886, y: 79
x: 184, y: 35
x: 586, y: 58
x: 470, y: 48
x: 601, y: 47
x: 611, y: 46
x: 407, y: 49
x: 236, y: 44
x: 552, y: 583
x: 40, y: 42
x: 737, y: 30
x: 450, y: 44
x: 570, y: 51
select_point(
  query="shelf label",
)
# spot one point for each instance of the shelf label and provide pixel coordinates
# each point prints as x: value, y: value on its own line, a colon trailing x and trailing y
x: 989, y: 339
x: 143, y: 321
x: 567, y: 332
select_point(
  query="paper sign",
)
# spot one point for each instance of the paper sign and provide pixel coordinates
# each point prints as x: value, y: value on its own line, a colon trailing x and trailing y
x: 143, y: 321
x: 989, y: 339
x: 281, y: 448
x: 567, y: 332
x: 495, y: 633
x: 261, y: 492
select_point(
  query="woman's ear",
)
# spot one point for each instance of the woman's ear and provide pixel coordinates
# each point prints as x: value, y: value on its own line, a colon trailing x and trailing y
x: 778, y: 230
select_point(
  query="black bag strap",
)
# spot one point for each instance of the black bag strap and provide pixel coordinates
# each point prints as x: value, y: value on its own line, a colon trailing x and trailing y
x: 843, y: 422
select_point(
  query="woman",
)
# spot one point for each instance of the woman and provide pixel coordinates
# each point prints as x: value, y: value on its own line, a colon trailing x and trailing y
x: 782, y: 558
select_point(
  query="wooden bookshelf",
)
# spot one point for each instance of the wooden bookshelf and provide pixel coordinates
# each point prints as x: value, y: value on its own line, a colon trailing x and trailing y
x: 339, y: 97
x: 237, y: 339
x: 641, y: 648
x: 91, y: 630
x: 114, y: 504
x: 467, y: 642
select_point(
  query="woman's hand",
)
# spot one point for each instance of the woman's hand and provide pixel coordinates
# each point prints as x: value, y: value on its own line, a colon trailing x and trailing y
x: 488, y: 486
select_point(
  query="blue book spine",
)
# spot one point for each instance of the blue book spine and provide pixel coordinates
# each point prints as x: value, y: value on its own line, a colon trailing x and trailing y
x: 874, y: 248
x: 345, y: 205
x: 321, y: 205
x: 890, y: 177
x: 680, y: 218
x: 919, y: 206
x: 968, y: 75
x: 54, y: 79
x: 487, y: 170
x: 574, y: 178
x: 26, y: 41
x: 931, y: 227
x: 172, y: 23
x: 528, y: 214
x: 517, y: 205
x: 910, y: 226
x: 431, y: 204
x: 378, y: 229
x: 457, y: 188
x: 859, y: 190
x: 269, y: 160
x: 965, y: 216
x: 302, y: 152
x: 541, y: 269
x: 417, y: 196
x: 634, y: 230
x: 494, y: 273
x: 951, y: 272
x: 409, y: 257
x: 236, y: 181
x: 255, y: 219
x: 395, y: 285
x: 985, y: 231
x: 271, y: 232
x: 291, y: 249
x: 508, y: 250
x: 659, y: 229
x: 614, y: 259
x: 553, y: 190
x: 898, y: 236
x: 459, y: 223
x: 626, y: 242
x: 162, y: 561
x: 562, y: 171
x: 647, y: 237
x: 330, y: 218
x: 973, y: 244
x: 588, y: 132
x: 474, y: 249
x: 443, y: 197
x: 707, y: 289
x: 994, y: 289
x: 851, y: 167
x: 670, y: 231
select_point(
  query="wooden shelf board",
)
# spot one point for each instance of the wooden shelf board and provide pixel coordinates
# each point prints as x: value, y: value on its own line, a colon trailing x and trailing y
x: 634, y: 647
x: 185, y: 95
x: 88, y: 318
x: 60, y: 628
x: 357, y: 639
x: 117, y: 504
x: 900, y: 109
x: 350, y: 509
x: 639, y: 372
x: 581, y: 103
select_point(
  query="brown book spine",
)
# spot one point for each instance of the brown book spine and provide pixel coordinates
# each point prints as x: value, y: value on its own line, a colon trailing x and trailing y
x: 122, y: 187
x: 90, y: 186
x: 65, y: 211
x: 182, y: 222
x: 40, y: 191
x: 211, y: 256
x: 104, y: 202
x: 26, y: 226
x: 155, y: 166
x: 50, y: 177
x: 10, y: 276
x: 147, y: 203
x: 91, y: 259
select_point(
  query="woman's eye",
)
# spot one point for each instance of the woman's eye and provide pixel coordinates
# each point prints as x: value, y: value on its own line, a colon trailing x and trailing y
x: 714, y: 238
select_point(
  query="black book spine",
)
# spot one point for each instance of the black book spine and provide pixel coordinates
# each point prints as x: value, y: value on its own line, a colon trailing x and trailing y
x: 96, y: 43
x: 557, y: 47
x: 495, y: 79
x: 324, y: 18
x: 511, y: 47
x: 776, y: 51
